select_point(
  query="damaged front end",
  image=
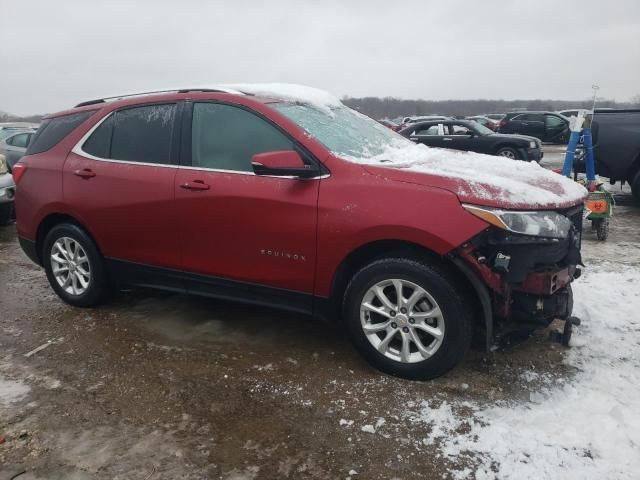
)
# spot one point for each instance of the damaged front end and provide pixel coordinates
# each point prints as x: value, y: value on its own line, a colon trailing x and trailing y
x: 527, y: 261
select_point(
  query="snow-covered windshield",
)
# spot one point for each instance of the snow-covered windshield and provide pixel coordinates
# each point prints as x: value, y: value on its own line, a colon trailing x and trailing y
x: 342, y: 130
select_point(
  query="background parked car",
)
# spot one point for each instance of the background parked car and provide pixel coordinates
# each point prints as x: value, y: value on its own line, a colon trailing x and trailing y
x: 572, y: 113
x: 9, y: 128
x: 14, y: 146
x: 616, y: 146
x: 485, y: 122
x: 390, y: 124
x: 547, y: 126
x: 470, y: 136
x: 7, y: 192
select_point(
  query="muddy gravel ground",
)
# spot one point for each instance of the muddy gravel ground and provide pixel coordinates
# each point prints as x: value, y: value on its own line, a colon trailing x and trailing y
x: 160, y: 386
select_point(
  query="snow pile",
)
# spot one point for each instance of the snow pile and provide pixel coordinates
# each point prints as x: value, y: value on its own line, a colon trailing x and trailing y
x: 588, y: 428
x: 291, y: 92
x: 12, y: 391
x: 482, y: 176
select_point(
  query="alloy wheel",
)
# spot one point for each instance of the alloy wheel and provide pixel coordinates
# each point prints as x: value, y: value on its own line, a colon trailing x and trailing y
x: 70, y: 266
x: 402, y: 320
x: 508, y: 154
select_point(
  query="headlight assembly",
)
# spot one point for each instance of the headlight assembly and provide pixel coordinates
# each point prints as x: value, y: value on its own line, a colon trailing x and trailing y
x: 533, y: 144
x: 542, y: 223
x: 3, y: 164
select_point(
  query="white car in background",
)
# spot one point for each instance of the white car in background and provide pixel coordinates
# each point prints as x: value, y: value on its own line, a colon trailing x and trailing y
x: 7, y: 193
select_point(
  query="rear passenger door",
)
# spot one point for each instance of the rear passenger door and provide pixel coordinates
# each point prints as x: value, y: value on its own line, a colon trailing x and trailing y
x: 119, y: 179
x: 431, y: 135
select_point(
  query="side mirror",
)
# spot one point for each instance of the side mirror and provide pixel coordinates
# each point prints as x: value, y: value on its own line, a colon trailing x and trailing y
x: 282, y: 163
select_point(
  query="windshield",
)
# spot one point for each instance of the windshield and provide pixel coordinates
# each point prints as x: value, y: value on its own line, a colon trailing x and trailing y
x: 481, y: 129
x: 343, y: 131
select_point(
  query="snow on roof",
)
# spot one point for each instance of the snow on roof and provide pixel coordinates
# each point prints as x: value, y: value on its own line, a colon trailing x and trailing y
x: 292, y: 92
x: 516, y: 184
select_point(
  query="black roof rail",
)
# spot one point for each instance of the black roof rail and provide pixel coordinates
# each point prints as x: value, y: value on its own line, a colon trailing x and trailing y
x: 178, y: 90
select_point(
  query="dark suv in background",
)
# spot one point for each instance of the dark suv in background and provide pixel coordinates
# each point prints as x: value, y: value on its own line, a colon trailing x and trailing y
x: 547, y: 126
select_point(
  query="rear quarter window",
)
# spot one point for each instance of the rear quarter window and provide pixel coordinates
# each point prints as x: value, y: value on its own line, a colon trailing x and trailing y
x: 53, y: 130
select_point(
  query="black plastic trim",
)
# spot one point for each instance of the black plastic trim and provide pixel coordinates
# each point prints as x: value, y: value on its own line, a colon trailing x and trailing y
x: 29, y: 248
x: 126, y: 273
x: 483, y: 296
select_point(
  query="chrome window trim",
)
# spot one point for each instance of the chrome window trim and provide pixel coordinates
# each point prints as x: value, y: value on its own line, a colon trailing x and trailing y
x: 77, y: 149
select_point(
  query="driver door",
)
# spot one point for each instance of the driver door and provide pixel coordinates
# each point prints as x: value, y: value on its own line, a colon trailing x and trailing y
x: 242, y: 231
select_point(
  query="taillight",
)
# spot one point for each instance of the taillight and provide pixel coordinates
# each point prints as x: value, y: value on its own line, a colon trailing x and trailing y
x: 18, y: 171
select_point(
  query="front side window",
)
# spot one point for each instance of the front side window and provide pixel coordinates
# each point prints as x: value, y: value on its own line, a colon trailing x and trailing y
x: 553, y: 121
x: 138, y: 134
x: 458, y: 129
x: 224, y: 137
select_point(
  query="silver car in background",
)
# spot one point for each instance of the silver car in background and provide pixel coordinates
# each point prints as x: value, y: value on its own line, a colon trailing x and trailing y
x: 7, y: 192
x: 14, y: 145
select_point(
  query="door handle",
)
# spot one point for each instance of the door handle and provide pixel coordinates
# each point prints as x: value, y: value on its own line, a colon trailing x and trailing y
x: 447, y: 139
x: 195, y: 185
x: 84, y: 173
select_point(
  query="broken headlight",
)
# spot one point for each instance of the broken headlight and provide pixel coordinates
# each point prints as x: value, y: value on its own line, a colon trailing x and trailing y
x: 543, y: 223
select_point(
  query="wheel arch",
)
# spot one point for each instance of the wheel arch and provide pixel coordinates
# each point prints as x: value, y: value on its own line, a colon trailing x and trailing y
x: 369, y: 252
x: 50, y: 221
x: 505, y: 144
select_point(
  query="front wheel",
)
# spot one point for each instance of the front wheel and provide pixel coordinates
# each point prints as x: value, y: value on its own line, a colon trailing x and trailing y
x: 508, y: 152
x: 407, y: 318
x: 75, y: 268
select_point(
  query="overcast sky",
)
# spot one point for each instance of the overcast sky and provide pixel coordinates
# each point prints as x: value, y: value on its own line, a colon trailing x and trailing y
x: 55, y: 53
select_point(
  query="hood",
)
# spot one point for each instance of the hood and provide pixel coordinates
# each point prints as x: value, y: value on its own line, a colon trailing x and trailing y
x: 476, y: 178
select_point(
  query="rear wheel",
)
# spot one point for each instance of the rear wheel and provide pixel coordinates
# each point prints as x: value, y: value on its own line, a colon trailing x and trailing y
x: 407, y: 318
x: 508, y: 152
x: 75, y: 268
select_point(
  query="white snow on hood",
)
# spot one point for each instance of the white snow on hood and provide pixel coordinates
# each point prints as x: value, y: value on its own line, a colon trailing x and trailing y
x: 482, y: 176
x: 291, y: 92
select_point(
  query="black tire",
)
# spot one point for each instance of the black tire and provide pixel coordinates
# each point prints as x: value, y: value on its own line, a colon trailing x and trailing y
x: 508, y: 152
x: 98, y: 287
x: 602, y: 228
x: 635, y: 187
x: 441, y: 286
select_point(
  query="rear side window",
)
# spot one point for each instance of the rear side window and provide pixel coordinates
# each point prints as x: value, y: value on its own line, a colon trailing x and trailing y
x: 52, y: 130
x: 226, y: 137
x: 139, y: 134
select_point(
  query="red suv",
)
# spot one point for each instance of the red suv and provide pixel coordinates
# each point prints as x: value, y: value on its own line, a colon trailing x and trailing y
x: 289, y: 199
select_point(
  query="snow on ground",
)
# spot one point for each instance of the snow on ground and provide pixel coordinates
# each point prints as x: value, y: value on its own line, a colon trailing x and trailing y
x: 11, y: 391
x: 586, y: 428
